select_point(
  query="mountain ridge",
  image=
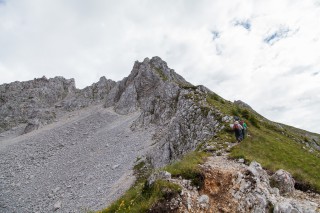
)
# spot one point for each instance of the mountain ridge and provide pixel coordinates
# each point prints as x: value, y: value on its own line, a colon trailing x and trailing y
x: 183, y: 117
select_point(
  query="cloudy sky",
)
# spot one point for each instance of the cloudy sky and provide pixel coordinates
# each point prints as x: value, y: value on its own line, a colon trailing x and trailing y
x: 265, y: 53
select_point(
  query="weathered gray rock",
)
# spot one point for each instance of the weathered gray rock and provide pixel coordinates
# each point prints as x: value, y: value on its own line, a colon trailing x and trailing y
x: 157, y: 176
x: 294, y: 206
x: 253, y: 193
x: 57, y: 206
x: 96, y: 93
x: 167, y: 100
x: 37, y: 102
x: 32, y: 125
x: 233, y: 187
x: 22, y: 101
x: 203, y: 201
x: 283, y: 181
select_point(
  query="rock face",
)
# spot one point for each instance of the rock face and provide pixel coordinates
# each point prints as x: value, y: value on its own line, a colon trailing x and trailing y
x: 23, y: 102
x: 163, y: 98
x: 38, y: 102
x: 166, y: 100
x: 96, y: 93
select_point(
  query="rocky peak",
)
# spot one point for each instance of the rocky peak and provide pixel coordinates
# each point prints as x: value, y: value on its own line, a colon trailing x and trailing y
x: 147, y: 80
x: 164, y: 98
x: 158, y: 68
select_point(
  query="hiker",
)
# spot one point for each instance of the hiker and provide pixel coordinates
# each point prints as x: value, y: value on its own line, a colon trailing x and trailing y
x: 238, y: 131
x: 244, y: 128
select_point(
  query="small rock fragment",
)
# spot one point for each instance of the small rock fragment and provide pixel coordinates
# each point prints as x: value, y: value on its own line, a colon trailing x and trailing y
x: 57, y: 206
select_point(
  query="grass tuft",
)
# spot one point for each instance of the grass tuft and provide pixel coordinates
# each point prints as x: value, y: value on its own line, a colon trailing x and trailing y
x: 188, y: 167
x: 141, y: 197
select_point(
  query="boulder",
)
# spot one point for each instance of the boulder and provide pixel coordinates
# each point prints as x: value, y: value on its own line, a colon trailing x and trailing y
x: 32, y: 125
x: 203, y: 201
x: 157, y: 176
x: 57, y: 206
x: 283, y: 181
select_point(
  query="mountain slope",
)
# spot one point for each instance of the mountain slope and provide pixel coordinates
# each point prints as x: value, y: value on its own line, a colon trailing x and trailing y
x: 169, y: 117
x: 82, y: 161
x: 275, y: 145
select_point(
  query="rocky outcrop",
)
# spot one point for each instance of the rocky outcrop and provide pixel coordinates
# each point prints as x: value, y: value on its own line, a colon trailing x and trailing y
x: 22, y: 102
x: 283, y: 181
x: 242, y: 104
x: 167, y: 100
x: 96, y: 93
x: 149, y: 82
x: 37, y: 102
x: 230, y: 186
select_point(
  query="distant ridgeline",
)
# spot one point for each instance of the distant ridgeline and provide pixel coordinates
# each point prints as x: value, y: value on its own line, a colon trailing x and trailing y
x: 37, y: 102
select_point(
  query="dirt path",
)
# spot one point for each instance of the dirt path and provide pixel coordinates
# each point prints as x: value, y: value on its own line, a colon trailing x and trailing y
x: 83, y: 161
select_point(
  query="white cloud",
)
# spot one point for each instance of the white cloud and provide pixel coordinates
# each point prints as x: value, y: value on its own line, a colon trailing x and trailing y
x: 262, y: 52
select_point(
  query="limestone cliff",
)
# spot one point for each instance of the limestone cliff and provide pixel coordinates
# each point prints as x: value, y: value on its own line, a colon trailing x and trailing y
x: 37, y: 102
x: 165, y: 99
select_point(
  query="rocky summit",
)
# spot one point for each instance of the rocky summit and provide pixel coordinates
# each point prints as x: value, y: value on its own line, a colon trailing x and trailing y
x: 64, y: 149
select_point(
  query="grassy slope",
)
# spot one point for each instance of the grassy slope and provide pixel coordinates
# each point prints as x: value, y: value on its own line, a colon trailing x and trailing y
x: 141, y: 197
x: 274, y: 146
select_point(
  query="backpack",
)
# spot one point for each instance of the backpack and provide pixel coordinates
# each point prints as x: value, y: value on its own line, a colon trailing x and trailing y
x: 235, y: 126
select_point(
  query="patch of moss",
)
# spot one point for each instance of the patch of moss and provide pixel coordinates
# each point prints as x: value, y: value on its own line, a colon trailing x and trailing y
x: 188, y: 86
x: 205, y: 110
x: 161, y: 74
x: 139, y: 165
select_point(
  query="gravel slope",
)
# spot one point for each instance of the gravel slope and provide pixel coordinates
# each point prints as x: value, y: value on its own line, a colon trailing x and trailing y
x: 83, y: 161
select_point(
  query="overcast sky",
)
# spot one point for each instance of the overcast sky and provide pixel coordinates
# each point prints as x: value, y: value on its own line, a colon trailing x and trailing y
x: 265, y: 53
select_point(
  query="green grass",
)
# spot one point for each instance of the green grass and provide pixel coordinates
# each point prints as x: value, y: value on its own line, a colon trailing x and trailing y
x: 188, y: 167
x: 229, y: 108
x: 276, y: 150
x: 275, y: 146
x: 141, y: 197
